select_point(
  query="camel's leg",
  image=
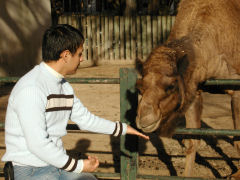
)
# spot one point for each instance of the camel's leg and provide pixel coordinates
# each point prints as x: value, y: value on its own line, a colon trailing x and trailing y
x: 235, y: 105
x: 193, y: 120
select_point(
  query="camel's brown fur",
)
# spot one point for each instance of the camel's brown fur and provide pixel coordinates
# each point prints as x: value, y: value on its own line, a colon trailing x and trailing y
x: 204, y: 43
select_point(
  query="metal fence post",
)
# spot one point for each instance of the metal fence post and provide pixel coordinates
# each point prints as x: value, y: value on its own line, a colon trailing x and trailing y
x: 128, y: 106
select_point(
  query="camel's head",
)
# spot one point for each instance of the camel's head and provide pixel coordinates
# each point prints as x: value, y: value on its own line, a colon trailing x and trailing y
x: 162, y: 91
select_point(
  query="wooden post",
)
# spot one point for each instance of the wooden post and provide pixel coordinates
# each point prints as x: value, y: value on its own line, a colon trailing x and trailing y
x: 111, y: 32
x: 154, y: 31
x: 74, y: 21
x: 116, y: 31
x: 128, y: 107
x: 128, y: 38
x: 106, y: 38
x: 169, y: 25
x: 98, y: 44
x: 139, y: 38
x: 84, y: 30
x: 94, y: 39
x: 144, y: 36
x: 159, y: 29
x: 122, y: 42
x: 164, y: 28
x: 89, y: 37
x: 149, y: 36
x: 133, y: 38
x: 103, y: 37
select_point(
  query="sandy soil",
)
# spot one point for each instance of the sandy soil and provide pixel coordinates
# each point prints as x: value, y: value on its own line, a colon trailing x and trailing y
x: 216, y: 157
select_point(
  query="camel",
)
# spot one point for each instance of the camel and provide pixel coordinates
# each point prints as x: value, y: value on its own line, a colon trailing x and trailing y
x: 204, y: 43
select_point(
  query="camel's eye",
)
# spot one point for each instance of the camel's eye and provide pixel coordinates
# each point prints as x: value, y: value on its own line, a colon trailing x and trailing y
x: 169, y: 89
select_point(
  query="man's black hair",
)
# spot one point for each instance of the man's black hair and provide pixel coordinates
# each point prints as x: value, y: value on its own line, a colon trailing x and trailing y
x: 58, y: 38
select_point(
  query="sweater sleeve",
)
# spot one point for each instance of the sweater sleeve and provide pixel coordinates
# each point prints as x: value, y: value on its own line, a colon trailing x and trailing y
x: 90, y: 122
x: 29, y: 105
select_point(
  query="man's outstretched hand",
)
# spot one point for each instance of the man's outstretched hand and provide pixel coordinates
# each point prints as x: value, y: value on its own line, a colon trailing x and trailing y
x: 133, y: 131
x: 90, y: 164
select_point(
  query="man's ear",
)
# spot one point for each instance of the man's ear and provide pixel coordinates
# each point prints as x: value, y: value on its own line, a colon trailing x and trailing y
x: 65, y: 55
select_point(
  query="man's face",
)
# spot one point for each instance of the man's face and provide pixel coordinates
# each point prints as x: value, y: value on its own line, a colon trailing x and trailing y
x: 74, y: 61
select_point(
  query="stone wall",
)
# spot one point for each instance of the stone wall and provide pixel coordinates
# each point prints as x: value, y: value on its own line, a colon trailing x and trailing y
x: 22, y: 23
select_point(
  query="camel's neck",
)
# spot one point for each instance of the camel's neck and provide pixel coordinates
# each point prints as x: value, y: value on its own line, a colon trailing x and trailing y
x: 188, y: 68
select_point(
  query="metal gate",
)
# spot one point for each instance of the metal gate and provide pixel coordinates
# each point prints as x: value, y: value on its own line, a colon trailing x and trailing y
x: 128, y: 105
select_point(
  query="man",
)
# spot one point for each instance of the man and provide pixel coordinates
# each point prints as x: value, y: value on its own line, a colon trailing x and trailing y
x: 39, y: 107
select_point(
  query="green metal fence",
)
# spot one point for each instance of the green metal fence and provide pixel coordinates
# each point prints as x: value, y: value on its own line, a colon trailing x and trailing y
x: 128, y: 105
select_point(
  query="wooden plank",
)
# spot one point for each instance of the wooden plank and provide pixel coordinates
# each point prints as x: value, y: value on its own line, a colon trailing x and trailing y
x: 139, y: 38
x: 164, y: 28
x: 144, y: 36
x: 116, y: 31
x: 106, y: 37
x: 68, y: 19
x: 149, y: 35
x: 159, y: 29
x: 64, y: 19
x: 79, y: 23
x: 74, y: 21
x: 60, y: 20
x: 133, y: 38
x: 89, y: 37
x: 111, y: 32
x: 84, y: 31
x: 172, y: 20
x: 94, y: 38
x: 102, y: 37
x: 98, y: 37
x: 127, y: 35
x: 122, y: 43
x: 154, y: 31
x: 169, y: 24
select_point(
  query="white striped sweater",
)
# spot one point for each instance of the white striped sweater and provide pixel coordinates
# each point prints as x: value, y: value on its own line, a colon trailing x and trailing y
x: 38, y: 111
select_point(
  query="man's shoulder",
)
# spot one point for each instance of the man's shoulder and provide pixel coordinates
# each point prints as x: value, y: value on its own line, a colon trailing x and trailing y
x: 31, y: 76
x: 30, y: 79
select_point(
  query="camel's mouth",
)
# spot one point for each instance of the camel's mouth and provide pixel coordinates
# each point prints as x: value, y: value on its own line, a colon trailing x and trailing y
x: 148, y: 128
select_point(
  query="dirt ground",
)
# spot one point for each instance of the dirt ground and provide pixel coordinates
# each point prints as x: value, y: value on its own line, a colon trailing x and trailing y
x: 216, y: 157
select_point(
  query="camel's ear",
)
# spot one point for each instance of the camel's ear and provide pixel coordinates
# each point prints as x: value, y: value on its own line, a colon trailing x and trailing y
x: 139, y: 65
x: 139, y: 86
x: 182, y: 64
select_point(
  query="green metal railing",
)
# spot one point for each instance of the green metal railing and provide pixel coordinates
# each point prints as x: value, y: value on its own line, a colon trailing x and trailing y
x: 71, y: 80
x: 220, y: 82
x: 128, y: 102
x: 212, y: 82
x: 208, y: 132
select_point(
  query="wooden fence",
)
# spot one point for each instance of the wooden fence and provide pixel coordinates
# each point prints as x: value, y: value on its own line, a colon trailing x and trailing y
x: 120, y: 37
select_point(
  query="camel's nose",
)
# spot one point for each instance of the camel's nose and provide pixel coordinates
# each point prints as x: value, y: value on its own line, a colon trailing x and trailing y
x: 147, y: 118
